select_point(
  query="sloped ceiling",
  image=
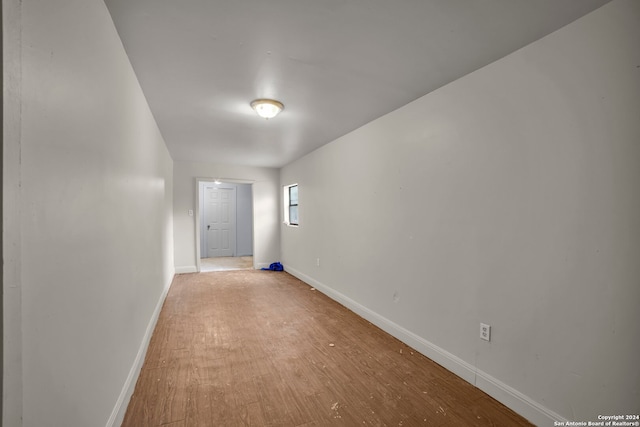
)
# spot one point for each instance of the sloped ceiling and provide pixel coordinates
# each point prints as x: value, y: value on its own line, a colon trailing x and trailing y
x: 335, y: 64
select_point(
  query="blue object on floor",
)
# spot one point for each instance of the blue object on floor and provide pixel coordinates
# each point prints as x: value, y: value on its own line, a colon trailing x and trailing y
x: 275, y: 266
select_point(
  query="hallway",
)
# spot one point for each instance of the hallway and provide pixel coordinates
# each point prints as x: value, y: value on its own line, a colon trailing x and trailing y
x: 259, y: 348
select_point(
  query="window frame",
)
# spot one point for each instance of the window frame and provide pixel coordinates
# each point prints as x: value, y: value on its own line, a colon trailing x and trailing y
x: 288, y: 205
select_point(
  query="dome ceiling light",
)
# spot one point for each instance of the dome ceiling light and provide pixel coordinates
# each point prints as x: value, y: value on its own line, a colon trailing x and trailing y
x: 267, y: 108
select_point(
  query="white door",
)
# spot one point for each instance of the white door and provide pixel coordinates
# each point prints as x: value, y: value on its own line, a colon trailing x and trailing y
x: 220, y: 220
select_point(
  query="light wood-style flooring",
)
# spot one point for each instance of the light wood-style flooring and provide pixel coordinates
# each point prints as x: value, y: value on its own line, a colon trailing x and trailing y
x: 226, y: 263
x: 261, y: 348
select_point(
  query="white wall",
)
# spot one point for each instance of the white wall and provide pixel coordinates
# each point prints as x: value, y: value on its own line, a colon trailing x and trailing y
x: 508, y: 197
x: 266, y: 193
x: 95, y: 229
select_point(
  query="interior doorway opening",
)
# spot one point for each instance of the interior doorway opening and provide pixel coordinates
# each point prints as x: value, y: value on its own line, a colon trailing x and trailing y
x: 225, y: 214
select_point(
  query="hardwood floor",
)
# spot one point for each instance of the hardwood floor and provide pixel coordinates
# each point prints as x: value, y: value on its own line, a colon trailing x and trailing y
x: 259, y: 348
x: 226, y: 263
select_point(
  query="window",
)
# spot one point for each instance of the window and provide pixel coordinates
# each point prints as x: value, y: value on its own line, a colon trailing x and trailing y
x: 291, y: 204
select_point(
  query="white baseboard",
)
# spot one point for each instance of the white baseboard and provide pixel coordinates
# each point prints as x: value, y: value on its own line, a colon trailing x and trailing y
x: 117, y: 415
x: 512, y: 398
x: 260, y: 265
x: 186, y: 269
x: 500, y: 391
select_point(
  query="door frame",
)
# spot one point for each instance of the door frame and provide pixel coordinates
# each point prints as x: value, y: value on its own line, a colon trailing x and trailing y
x: 196, y: 214
x: 1, y: 219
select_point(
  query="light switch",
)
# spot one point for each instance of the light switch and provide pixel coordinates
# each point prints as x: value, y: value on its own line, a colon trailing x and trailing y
x: 190, y: 212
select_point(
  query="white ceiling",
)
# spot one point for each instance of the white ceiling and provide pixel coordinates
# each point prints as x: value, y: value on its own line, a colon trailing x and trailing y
x: 335, y: 64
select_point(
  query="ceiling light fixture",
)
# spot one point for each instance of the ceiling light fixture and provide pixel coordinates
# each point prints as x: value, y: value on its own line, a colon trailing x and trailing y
x: 267, y: 108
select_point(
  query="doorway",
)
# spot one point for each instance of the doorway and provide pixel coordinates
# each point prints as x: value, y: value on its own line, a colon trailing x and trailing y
x: 225, y: 214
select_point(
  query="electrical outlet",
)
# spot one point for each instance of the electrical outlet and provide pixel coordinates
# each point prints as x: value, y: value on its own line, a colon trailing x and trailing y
x: 318, y: 262
x: 485, y: 332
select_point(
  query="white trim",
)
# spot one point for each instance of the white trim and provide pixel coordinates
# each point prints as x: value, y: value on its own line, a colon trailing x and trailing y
x: 197, y: 228
x: 512, y: 398
x: 186, y: 269
x: 500, y: 391
x: 118, y: 413
x: 12, y: 354
x: 285, y: 205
